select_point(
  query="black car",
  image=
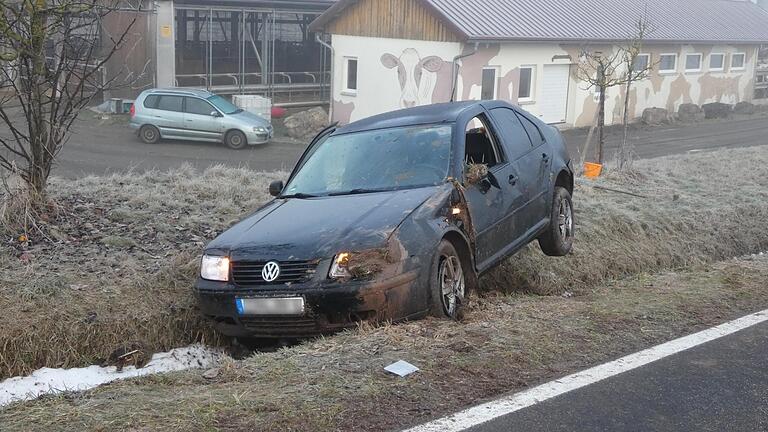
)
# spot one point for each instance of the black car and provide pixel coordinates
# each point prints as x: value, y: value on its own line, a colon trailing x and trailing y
x: 390, y: 218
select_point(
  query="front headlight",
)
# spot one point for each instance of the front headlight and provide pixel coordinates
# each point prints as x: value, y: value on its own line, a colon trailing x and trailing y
x: 214, y: 268
x: 260, y: 129
x: 340, y: 266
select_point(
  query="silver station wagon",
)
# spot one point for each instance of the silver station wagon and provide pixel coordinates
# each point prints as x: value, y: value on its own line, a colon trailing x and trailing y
x: 196, y: 115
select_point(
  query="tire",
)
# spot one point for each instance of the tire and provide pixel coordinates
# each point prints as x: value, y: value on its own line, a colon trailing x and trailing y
x: 235, y: 140
x: 447, y: 283
x: 149, y: 134
x: 558, y: 239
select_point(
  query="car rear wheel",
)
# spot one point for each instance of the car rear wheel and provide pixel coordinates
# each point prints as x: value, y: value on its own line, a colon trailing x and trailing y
x: 558, y: 239
x: 447, y: 282
x: 149, y: 134
x: 236, y: 140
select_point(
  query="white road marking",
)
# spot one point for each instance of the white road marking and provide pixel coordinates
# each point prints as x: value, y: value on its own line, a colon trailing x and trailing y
x: 488, y: 411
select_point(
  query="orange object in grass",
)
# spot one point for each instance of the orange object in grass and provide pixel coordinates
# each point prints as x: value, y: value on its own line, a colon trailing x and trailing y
x: 592, y: 170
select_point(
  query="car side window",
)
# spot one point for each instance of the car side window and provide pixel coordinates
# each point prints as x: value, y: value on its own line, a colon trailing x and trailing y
x: 151, y: 101
x: 512, y: 132
x: 198, y: 106
x: 170, y: 103
x: 534, y: 133
x: 480, y: 144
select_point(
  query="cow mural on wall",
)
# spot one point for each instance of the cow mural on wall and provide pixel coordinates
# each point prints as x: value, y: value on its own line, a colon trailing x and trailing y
x: 422, y: 80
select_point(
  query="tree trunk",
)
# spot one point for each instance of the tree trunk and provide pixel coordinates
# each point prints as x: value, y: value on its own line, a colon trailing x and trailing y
x: 624, y: 153
x: 600, y: 125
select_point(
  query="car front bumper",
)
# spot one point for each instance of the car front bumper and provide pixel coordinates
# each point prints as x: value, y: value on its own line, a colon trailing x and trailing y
x: 255, y: 138
x: 328, y: 307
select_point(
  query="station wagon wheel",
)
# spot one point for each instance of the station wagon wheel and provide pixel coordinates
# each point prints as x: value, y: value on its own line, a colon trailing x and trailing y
x: 557, y: 240
x: 149, y: 134
x: 448, y: 282
x: 235, y: 140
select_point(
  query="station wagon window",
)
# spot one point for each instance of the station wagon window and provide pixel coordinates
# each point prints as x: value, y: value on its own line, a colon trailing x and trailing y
x: 737, y: 61
x: 198, y: 106
x: 512, y: 132
x: 151, y: 101
x: 170, y: 103
x: 488, y: 85
x: 480, y: 145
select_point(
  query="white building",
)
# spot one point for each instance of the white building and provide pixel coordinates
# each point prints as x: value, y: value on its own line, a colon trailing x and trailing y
x: 390, y: 54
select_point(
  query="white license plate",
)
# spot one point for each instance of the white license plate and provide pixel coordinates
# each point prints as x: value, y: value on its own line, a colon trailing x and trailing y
x: 270, y: 306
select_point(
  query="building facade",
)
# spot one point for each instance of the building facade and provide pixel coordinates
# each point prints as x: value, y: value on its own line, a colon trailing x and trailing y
x: 394, y: 54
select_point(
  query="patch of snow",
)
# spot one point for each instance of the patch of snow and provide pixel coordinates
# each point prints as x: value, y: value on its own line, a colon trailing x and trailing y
x: 50, y: 381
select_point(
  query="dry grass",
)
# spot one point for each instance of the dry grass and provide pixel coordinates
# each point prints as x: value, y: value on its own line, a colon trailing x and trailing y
x: 507, y: 342
x: 699, y: 208
x: 114, y: 264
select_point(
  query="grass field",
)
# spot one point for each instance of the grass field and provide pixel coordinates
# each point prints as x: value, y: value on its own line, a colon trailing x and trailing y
x: 111, y: 264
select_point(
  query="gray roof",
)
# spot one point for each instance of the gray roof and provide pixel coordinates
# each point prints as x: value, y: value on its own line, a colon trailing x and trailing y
x: 727, y: 21
x: 589, y: 20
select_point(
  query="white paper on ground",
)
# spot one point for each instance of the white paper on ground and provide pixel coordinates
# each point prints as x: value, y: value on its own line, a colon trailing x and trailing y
x: 47, y: 380
x: 401, y: 368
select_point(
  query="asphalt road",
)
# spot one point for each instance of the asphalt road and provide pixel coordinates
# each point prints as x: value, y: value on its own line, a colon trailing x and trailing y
x: 718, y: 386
x: 97, y: 147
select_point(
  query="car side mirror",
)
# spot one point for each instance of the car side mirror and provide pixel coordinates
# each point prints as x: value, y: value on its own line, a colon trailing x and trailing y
x: 493, y: 180
x: 215, y: 114
x: 276, y: 187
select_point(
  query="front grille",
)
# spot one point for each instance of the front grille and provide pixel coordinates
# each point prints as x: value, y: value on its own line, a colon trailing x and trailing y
x: 277, y: 324
x: 248, y: 273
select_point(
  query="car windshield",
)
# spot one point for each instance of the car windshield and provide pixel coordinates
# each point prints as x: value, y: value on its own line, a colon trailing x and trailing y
x: 372, y: 161
x: 223, y: 105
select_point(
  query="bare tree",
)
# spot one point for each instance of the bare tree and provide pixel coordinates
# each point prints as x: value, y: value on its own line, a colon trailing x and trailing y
x: 53, y: 55
x: 618, y: 67
x: 635, y: 70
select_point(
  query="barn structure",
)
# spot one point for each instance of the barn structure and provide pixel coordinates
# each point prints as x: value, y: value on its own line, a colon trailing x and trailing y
x: 390, y: 54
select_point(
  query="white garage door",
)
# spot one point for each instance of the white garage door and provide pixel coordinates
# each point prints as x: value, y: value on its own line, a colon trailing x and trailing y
x: 554, y: 94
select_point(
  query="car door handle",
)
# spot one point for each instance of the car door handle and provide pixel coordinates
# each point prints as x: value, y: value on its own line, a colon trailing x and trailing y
x: 512, y: 179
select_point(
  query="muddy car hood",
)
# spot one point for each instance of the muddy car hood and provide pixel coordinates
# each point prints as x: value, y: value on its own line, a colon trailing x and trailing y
x: 316, y: 228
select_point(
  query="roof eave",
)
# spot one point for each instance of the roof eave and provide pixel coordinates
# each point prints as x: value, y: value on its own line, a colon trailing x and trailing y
x: 498, y: 39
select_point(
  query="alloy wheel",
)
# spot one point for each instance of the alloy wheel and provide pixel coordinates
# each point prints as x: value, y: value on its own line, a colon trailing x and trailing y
x: 565, y: 220
x: 452, y: 284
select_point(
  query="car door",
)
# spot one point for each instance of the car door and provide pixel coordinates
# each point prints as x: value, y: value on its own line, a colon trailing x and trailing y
x: 541, y: 189
x: 168, y: 116
x: 199, y: 121
x: 525, y: 177
x: 489, y: 204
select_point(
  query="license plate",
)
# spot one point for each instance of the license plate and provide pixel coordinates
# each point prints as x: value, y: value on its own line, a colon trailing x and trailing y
x: 270, y: 306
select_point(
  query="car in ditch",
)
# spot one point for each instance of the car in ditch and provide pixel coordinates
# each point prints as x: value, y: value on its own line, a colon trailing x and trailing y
x: 392, y: 217
x: 196, y: 115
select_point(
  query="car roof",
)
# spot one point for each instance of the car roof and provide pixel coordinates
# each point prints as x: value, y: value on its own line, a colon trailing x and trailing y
x: 425, y: 114
x: 181, y: 91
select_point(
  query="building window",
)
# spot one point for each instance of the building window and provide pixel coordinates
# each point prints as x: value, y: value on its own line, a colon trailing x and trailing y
x: 716, y: 62
x: 489, y: 84
x: 668, y: 63
x: 525, y: 89
x: 641, y: 63
x: 693, y: 62
x: 350, y: 75
x: 737, y: 61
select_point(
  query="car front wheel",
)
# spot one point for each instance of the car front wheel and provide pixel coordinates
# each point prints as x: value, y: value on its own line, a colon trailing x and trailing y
x: 447, y: 282
x: 149, y: 134
x: 236, y: 140
x: 558, y: 239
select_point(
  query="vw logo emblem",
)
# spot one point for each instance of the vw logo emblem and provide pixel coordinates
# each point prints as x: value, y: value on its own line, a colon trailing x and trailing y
x: 270, y: 272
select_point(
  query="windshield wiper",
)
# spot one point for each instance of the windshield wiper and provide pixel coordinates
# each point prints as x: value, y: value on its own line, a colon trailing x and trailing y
x: 356, y: 192
x: 299, y: 195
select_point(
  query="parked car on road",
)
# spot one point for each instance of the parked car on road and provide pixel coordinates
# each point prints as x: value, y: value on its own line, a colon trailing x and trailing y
x: 196, y: 115
x: 390, y: 218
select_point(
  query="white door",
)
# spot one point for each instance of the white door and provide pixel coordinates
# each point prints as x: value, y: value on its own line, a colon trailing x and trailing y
x: 553, y: 102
